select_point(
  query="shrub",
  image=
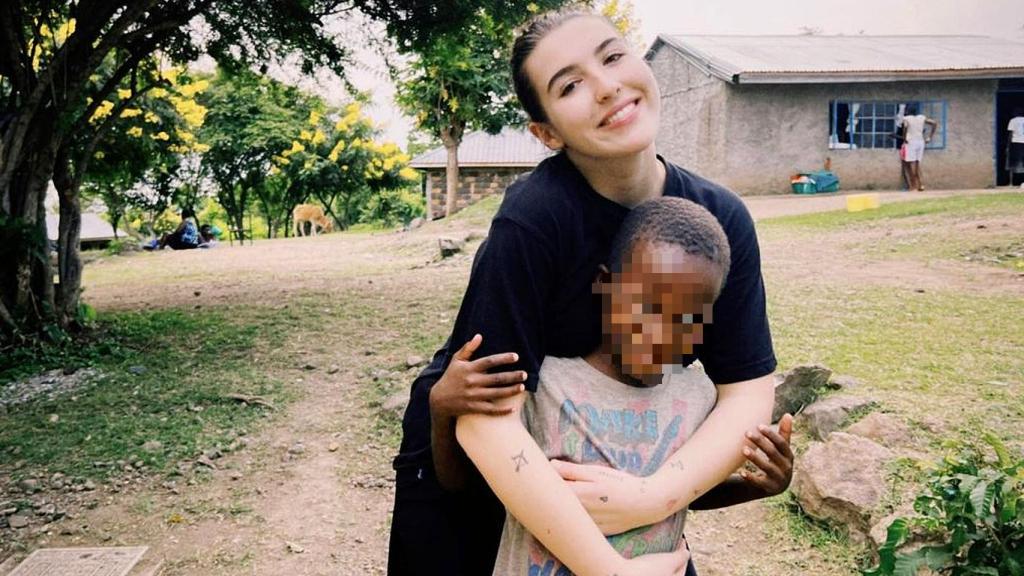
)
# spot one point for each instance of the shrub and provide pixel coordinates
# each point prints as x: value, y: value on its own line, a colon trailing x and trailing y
x: 972, y: 503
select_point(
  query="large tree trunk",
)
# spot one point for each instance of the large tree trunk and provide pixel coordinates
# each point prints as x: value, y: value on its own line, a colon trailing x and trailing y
x: 69, y: 262
x: 451, y: 137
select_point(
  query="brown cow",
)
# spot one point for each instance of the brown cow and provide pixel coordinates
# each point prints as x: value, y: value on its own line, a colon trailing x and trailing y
x: 314, y: 215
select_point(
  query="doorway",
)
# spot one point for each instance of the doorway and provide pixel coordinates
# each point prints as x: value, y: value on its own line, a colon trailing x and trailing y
x: 1009, y: 97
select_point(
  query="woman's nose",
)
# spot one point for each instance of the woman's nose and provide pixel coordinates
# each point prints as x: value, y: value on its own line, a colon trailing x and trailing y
x: 606, y: 87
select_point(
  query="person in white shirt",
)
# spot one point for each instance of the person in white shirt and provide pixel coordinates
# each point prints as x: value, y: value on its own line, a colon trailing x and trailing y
x: 1015, y: 145
x: 913, y: 133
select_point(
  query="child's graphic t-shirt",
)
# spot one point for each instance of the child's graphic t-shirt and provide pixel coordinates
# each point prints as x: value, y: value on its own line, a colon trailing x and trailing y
x: 580, y: 415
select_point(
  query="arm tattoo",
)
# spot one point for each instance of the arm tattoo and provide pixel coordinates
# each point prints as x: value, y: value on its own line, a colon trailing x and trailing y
x: 520, y: 460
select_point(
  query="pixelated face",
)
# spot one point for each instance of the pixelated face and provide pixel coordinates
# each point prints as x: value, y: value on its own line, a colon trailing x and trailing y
x: 654, y: 309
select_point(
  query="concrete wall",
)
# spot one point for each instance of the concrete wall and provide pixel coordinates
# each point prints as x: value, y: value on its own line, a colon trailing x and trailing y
x: 693, y: 102
x: 774, y: 131
x: 474, y: 184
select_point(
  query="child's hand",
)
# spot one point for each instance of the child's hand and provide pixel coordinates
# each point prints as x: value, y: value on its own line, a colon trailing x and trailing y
x: 774, y: 459
x: 467, y: 388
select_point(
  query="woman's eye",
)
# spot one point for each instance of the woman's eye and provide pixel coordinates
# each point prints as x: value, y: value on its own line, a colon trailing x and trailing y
x: 569, y: 87
x: 614, y: 57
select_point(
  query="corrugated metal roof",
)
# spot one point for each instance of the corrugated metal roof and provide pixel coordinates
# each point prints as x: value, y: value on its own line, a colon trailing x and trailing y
x: 807, y: 59
x: 511, y: 147
x: 94, y: 227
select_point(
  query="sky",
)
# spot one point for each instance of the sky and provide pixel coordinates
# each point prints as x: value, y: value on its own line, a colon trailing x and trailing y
x: 1000, y: 18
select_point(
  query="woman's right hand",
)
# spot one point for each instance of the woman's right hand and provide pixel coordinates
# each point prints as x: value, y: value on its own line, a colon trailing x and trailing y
x: 467, y: 388
x: 664, y: 564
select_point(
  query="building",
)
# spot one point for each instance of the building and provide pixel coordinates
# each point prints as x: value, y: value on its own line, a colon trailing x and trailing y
x: 750, y: 111
x: 487, y: 165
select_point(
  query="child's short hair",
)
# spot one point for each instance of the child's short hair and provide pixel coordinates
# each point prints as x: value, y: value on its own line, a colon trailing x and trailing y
x: 676, y: 221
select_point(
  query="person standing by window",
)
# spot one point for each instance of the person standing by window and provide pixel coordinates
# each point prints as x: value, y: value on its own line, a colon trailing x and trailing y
x: 1015, y: 145
x: 913, y: 133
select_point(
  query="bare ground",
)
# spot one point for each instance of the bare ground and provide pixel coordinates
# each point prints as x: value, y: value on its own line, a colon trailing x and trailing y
x: 324, y: 509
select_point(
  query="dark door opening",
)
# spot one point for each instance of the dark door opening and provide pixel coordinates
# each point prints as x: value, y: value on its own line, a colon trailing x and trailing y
x: 1009, y: 98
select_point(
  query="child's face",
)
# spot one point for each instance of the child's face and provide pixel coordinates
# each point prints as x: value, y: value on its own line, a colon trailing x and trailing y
x: 655, y: 309
x: 600, y: 97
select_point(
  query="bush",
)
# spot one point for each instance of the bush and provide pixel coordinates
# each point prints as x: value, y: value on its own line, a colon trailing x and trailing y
x: 390, y: 207
x: 975, y: 505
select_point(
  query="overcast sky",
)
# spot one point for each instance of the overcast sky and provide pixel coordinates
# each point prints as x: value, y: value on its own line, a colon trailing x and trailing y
x: 1001, y: 18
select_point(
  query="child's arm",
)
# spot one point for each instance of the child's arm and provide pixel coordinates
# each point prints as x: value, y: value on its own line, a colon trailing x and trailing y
x: 618, y: 501
x: 519, y: 473
x: 466, y: 388
x: 774, y: 461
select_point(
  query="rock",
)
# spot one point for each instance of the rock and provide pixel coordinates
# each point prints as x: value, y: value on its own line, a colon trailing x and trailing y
x: 297, y: 448
x: 396, y: 403
x: 204, y: 460
x: 137, y: 370
x: 46, y: 510
x: 796, y: 388
x: 29, y: 485
x: 333, y: 369
x: 450, y: 246
x: 309, y: 366
x: 17, y: 521
x: 294, y: 548
x: 333, y: 447
x: 414, y: 361
x: 236, y: 475
x: 414, y: 223
x: 213, y: 454
x: 885, y: 429
x: 842, y: 482
x: 153, y: 446
x: 54, y: 418
x: 69, y: 370
x: 843, y: 383
x: 825, y: 416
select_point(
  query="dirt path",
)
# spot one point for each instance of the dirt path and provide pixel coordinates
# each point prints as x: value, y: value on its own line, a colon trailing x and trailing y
x: 312, y: 493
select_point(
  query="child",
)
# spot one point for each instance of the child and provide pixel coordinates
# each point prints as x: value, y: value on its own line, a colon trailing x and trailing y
x: 627, y: 405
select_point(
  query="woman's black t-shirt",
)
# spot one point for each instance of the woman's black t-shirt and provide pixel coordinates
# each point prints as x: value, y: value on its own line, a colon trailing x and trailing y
x: 530, y: 289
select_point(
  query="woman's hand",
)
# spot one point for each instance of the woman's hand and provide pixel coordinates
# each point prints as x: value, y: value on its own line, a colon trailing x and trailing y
x: 467, y: 388
x: 773, y: 458
x: 616, y: 500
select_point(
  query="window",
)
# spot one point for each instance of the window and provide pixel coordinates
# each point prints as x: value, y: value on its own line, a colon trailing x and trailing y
x: 858, y: 125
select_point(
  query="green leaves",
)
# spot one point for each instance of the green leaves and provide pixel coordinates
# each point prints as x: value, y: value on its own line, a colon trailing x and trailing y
x: 971, y: 504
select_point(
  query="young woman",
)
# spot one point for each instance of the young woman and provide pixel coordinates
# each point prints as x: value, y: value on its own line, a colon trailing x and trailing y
x: 596, y: 102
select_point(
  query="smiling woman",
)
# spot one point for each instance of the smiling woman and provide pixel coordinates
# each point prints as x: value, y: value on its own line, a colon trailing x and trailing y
x: 595, y: 101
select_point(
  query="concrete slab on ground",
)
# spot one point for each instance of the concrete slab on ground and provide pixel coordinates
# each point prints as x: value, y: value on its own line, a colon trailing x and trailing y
x: 109, y: 561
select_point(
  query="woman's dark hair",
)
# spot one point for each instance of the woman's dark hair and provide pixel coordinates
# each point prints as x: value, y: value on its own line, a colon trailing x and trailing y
x: 525, y: 43
x: 911, y: 110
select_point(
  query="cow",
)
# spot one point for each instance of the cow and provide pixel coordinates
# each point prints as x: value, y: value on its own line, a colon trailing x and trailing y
x: 314, y: 215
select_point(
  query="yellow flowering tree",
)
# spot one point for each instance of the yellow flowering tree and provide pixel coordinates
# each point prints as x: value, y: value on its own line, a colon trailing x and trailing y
x: 337, y: 160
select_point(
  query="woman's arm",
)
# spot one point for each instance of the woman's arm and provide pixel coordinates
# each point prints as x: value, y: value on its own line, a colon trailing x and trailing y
x: 618, y: 501
x: 519, y: 473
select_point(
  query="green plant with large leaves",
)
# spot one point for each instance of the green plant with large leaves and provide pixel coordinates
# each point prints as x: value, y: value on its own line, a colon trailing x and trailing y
x: 974, y: 504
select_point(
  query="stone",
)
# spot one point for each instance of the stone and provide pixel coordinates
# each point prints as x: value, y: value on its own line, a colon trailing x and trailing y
x: 297, y: 448
x: 309, y: 366
x: 46, y: 510
x: 153, y: 446
x: 294, y: 548
x: 885, y: 429
x: 841, y: 382
x: 333, y: 447
x: 396, y: 403
x: 29, y: 485
x: 333, y: 369
x: 825, y: 416
x: 414, y: 223
x: 450, y: 247
x: 842, y: 482
x: 413, y: 361
x: 17, y: 521
x: 204, y: 460
x: 797, y: 388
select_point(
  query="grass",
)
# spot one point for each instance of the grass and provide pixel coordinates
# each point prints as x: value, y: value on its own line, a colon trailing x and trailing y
x: 163, y: 376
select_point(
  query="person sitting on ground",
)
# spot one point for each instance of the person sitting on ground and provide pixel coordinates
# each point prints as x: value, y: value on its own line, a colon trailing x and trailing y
x: 208, y: 235
x: 185, y: 236
x: 628, y: 405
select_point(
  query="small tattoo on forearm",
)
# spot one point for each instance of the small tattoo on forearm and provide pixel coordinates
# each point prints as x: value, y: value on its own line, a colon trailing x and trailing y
x: 604, y: 499
x: 520, y: 460
x: 678, y: 465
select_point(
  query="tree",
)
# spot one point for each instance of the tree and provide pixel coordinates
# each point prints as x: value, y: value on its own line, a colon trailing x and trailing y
x: 337, y: 159
x: 52, y: 84
x: 460, y: 81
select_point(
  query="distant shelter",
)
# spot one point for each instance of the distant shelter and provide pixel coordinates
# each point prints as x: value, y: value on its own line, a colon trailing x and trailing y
x: 750, y: 111
x: 488, y: 163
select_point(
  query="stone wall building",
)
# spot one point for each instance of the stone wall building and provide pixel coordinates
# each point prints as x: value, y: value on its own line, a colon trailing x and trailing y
x: 488, y: 163
x: 751, y: 111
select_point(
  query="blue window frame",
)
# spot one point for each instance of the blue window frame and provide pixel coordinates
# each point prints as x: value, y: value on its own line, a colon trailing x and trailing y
x: 855, y: 125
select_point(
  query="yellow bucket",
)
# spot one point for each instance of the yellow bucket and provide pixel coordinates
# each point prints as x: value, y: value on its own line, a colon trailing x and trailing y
x: 860, y: 202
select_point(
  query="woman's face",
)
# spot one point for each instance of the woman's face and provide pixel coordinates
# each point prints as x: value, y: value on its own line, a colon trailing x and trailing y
x: 600, y: 97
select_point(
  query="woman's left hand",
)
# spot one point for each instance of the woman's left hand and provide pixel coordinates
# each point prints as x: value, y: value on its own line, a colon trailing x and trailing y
x: 617, y: 501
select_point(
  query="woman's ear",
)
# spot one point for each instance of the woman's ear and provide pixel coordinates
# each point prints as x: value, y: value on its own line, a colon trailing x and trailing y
x: 546, y: 134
